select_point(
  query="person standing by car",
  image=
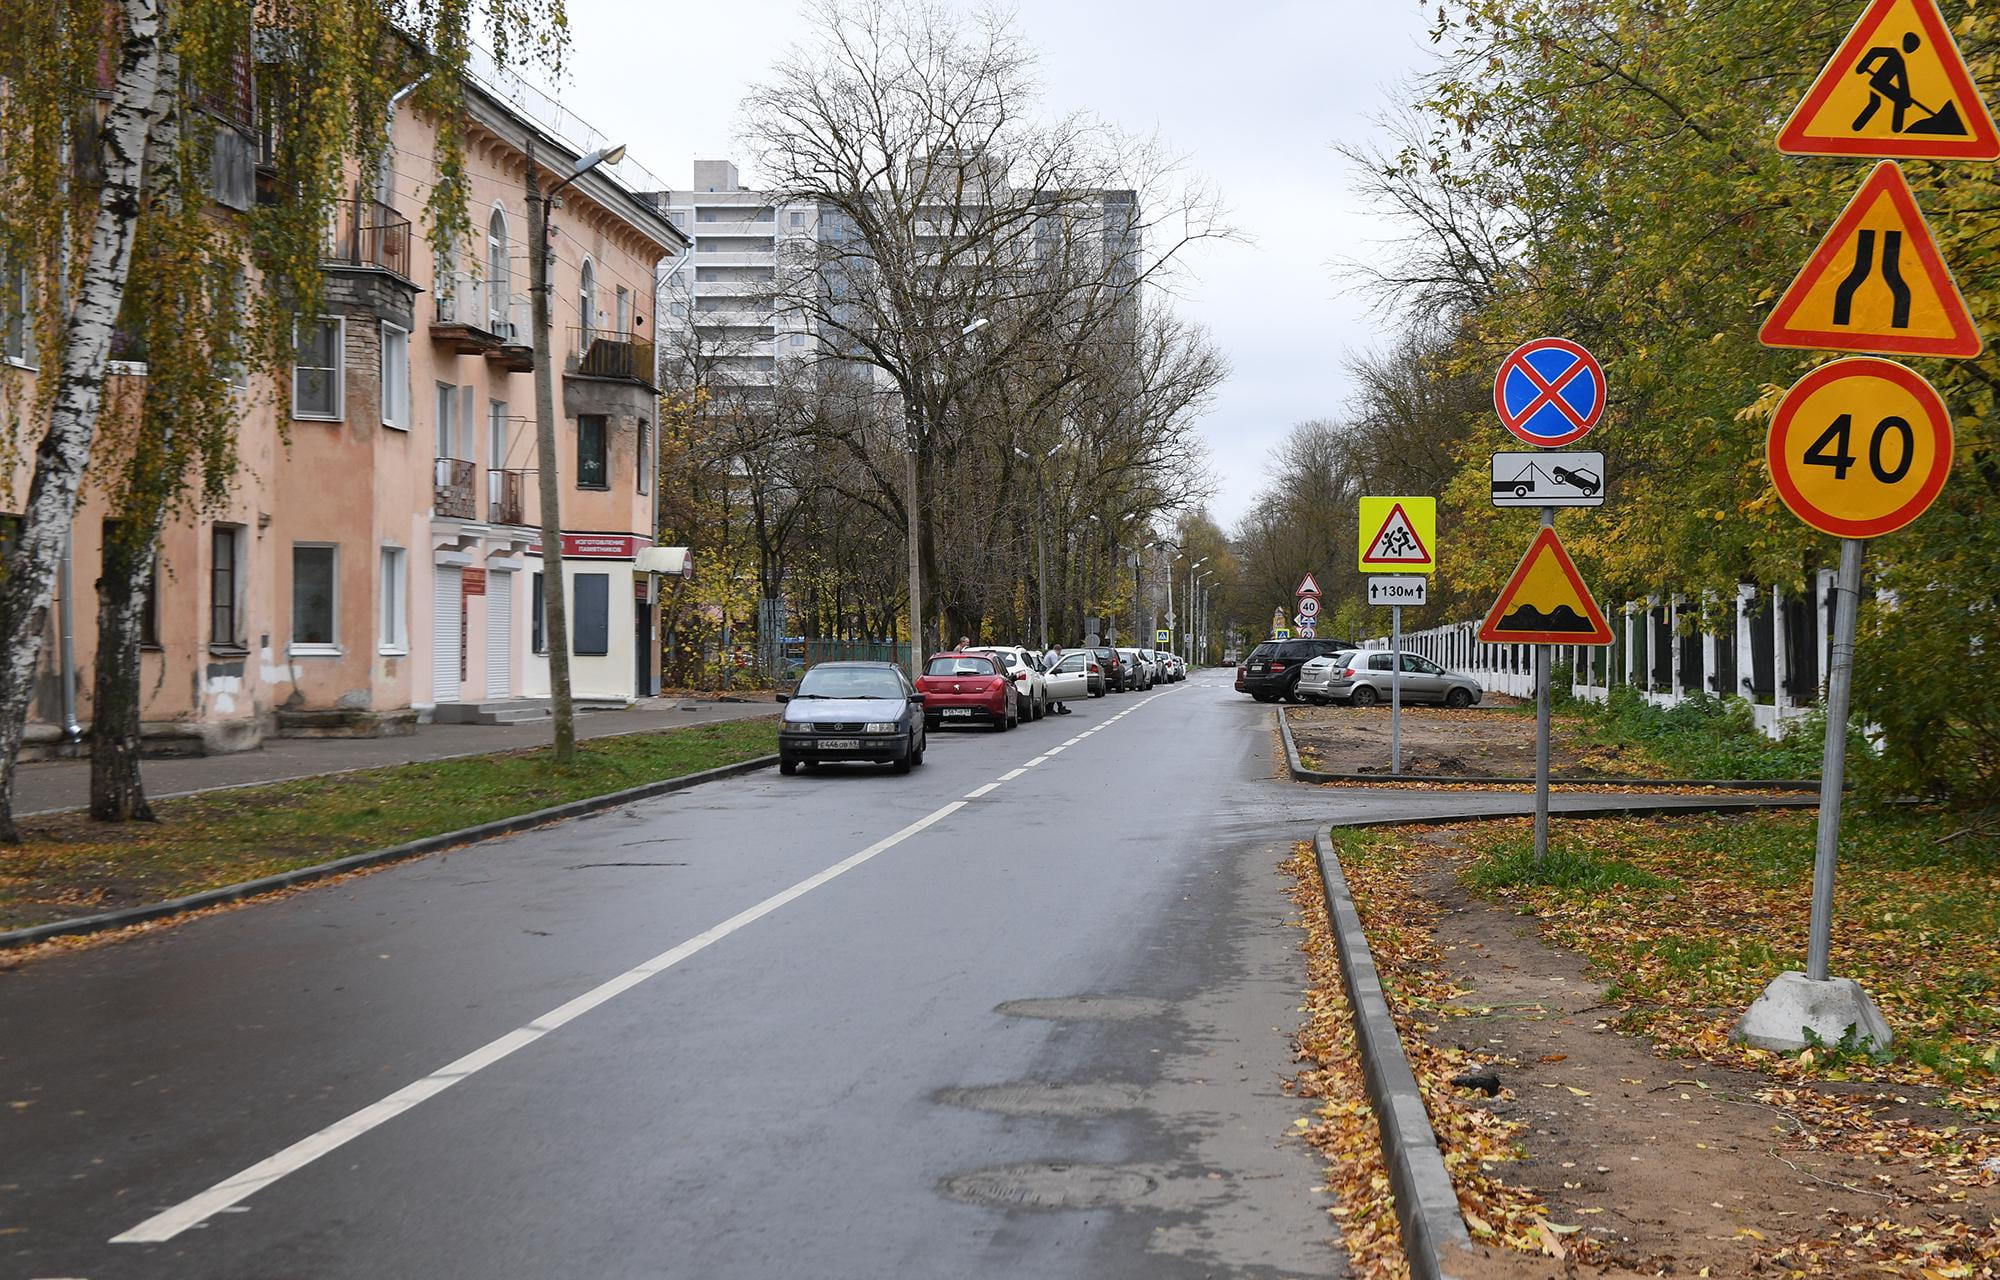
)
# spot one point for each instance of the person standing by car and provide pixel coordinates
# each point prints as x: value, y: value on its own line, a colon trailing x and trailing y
x: 1049, y: 661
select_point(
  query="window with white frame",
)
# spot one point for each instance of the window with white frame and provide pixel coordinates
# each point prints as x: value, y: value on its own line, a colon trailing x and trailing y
x: 315, y: 598
x: 624, y: 312
x: 797, y: 219
x: 393, y: 611
x: 645, y: 451
x: 499, y: 285
x: 317, y: 369
x: 395, y: 376
x: 586, y: 298
x: 17, y: 316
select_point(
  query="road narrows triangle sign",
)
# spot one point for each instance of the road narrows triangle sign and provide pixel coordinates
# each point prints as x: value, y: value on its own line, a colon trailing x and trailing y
x: 1396, y: 542
x: 1876, y: 283
x: 1896, y: 87
x: 1545, y: 602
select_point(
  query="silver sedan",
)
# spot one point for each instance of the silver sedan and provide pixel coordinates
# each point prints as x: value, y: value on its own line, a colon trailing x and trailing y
x: 1362, y: 678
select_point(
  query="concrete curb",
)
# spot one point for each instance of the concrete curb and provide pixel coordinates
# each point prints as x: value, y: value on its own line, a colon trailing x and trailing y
x: 1426, y: 1202
x: 1299, y: 773
x: 33, y: 934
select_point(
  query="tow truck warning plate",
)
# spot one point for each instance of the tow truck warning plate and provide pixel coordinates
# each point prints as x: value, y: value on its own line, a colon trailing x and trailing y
x: 1545, y: 479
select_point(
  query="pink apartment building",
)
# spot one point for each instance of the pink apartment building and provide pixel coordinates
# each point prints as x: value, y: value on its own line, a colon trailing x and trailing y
x: 379, y: 562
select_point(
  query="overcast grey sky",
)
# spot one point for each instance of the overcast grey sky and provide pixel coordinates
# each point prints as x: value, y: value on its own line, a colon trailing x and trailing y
x: 1254, y: 93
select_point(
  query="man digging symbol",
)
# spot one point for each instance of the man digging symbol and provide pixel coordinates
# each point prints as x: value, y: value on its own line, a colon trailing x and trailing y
x: 1889, y: 79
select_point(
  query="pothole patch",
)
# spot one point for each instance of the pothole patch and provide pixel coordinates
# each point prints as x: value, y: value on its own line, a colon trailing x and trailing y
x: 1034, y: 1098
x: 1086, y: 1008
x: 1050, y: 1184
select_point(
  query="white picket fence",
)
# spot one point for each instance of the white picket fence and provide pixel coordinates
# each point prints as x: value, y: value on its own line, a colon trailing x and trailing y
x: 1767, y: 646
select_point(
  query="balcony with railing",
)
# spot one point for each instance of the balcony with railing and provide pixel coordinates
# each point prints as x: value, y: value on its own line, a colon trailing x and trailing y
x: 477, y: 317
x: 507, y: 492
x: 454, y: 490
x: 598, y: 353
x: 368, y: 233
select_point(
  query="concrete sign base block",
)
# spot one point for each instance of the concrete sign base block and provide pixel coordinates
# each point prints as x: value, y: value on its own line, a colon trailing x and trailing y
x: 1794, y: 1003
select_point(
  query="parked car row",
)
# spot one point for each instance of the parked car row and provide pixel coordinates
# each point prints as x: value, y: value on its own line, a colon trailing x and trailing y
x: 1328, y: 671
x: 870, y: 712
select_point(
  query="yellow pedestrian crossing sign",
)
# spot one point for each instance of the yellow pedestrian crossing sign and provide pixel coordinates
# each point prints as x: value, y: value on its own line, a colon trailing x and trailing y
x: 1897, y: 88
x: 1877, y: 283
x: 1399, y: 534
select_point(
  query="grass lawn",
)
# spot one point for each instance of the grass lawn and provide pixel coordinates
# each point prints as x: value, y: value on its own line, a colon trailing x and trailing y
x: 69, y: 865
x: 1705, y: 737
x: 1689, y: 918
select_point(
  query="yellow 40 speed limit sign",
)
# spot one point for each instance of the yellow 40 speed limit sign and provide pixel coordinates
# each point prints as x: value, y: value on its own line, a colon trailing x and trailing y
x: 1860, y: 447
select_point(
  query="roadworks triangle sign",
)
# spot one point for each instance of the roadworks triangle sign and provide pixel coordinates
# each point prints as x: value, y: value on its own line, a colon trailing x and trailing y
x: 1545, y: 602
x: 1877, y: 283
x: 1897, y: 87
x: 1396, y: 542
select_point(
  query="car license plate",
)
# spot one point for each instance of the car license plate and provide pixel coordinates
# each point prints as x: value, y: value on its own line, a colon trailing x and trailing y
x: 840, y: 744
x: 958, y: 711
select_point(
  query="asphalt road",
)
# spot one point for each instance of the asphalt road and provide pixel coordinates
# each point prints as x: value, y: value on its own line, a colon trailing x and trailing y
x: 840, y: 1025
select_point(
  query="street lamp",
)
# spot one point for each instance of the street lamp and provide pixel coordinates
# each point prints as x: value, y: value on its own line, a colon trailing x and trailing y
x: 1041, y: 536
x: 555, y: 607
x: 1190, y: 595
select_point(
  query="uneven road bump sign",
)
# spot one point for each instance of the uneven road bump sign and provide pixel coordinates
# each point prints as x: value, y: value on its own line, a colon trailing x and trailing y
x: 1876, y: 283
x: 1897, y: 87
x: 1549, y: 392
x: 1399, y: 533
x: 1545, y: 602
x: 1860, y: 447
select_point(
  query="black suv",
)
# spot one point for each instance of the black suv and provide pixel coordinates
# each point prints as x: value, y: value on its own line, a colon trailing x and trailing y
x: 1271, y: 672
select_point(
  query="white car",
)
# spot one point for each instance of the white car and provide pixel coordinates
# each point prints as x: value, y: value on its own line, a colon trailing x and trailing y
x: 1025, y: 670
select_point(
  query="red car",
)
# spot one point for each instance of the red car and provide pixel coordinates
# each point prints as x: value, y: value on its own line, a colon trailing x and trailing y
x: 968, y: 688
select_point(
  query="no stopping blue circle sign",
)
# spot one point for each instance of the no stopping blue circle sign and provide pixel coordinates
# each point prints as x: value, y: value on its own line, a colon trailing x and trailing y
x: 1549, y: 392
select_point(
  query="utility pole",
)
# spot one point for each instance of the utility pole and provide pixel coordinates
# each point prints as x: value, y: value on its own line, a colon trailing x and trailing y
x: 554, y: 603
x: 555, y: 608
x: 910, y: 501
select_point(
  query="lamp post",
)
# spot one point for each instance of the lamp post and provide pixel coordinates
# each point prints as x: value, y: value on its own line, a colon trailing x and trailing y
x: 1191, y: 600
x: 1041, y: 537
x: 913, y: 534
x: 554, y: 598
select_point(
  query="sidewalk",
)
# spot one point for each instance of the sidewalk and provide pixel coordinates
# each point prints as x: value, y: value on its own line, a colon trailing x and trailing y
x: 65, y: 784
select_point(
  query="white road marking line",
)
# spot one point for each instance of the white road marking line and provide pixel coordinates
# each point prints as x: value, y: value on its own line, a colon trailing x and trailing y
x: 1032, y: 763
x: 166, y: 1225
x: 988, y: 789
x: 1012, y: 774
x: 1056, y: 751
x: 1073, y: 741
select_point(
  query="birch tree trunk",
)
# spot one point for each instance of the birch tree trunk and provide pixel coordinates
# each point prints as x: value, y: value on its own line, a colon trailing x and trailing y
x: 116, y: 792
x: 141, y: 96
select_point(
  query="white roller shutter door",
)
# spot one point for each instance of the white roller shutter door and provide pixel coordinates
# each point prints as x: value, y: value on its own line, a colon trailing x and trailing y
x: 446, y: 592
x: 499, y: 635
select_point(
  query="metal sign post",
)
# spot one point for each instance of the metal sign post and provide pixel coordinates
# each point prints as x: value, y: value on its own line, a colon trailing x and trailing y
x: 1395, y: 689
x: 1833, y: 771
x: 1543, y: 653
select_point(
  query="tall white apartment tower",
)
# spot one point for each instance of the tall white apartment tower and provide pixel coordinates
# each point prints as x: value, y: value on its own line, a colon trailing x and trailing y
x: 718, y: 301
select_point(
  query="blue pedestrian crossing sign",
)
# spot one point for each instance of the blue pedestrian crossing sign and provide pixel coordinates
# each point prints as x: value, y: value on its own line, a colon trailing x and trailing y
x: 1549, y: 392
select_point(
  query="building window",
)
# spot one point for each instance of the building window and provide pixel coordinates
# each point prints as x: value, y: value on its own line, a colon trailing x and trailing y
x: 624, y: 312
x: 586, y: 300
x: 797, y: 219
x: 315, y: 598
x: 395, y: 610
x: 645, y: 458
x: 498, y: 284
x: 395, y: 376
x: 149, y: 617
x: 17, y: 316
x: 316, y: 372
x: 447, y: 420
x: 231, y: 292
x: 537, y: 634
x: 225, y: 587
x: 591, y: 469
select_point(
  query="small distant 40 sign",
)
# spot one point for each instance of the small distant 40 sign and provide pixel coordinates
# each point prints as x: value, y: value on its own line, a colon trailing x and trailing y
x: 1860, y: 447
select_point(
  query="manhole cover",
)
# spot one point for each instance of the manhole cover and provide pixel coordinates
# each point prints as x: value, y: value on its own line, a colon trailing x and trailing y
x: 1086, y: 1008
x: 1049, y: 1184
x: 1036, y: 1099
